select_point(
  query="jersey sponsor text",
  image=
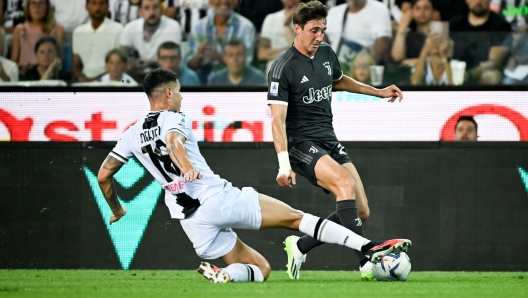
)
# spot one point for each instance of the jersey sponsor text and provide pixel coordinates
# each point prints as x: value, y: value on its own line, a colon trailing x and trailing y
x: 318, y: 95
x: 174, y: 187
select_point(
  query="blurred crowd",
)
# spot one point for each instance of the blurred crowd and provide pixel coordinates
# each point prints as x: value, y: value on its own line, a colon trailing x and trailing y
x: 233, y: 42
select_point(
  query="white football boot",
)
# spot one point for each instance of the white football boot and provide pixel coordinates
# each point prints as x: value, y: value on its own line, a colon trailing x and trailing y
x: 295, y: 257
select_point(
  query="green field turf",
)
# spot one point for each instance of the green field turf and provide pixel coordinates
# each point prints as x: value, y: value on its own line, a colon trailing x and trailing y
x: 138, y: 283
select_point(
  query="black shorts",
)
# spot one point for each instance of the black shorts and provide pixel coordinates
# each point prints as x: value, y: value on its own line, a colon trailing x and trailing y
x: 304, y: 157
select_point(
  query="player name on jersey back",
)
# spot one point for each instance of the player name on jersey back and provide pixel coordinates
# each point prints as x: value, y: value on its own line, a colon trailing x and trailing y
x: 150, y: 135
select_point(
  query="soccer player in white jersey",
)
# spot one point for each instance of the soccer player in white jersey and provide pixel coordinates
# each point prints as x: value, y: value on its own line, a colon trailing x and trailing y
x: 207, y: 205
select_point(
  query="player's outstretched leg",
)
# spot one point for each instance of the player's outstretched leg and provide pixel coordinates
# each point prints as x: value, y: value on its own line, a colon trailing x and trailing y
x: 351, y: 207
x: 244, y: 265
x: 278, y: 214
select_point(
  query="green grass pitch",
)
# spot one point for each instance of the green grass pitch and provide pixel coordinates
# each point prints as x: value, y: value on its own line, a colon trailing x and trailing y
x: 147, y: 283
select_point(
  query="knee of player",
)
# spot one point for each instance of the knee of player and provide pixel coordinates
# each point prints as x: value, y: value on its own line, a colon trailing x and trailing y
x: 347, y: 183
x: 265, y: 269
x: 295, y: 219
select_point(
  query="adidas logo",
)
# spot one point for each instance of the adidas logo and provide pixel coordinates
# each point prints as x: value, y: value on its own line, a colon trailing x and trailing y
x: 304, y: 79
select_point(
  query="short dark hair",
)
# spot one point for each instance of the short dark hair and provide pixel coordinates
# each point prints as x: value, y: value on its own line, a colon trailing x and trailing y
x: 89, y: 1
x: 47, y: 39
x: 305, y: 12
x: 467, y: 118
x: 141, y: 2
x: 235, y: 42
x: 169, y: 45
x: 157, y: 78
x: 430, y: 1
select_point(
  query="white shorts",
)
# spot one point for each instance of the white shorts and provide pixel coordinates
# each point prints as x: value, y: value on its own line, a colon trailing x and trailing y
x: 209, y: 228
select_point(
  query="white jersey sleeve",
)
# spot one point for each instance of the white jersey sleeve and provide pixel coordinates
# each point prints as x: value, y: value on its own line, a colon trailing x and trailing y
x: 175, y: 122
x: 123, y: 149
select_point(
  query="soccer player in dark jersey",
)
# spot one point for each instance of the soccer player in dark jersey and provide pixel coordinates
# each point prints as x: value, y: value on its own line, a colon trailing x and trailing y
x: 300, y: 84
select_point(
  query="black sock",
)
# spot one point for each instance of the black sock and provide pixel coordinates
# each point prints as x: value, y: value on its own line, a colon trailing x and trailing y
x: 307, y: 243
x: 368, y: 246
x: 363, y: 262
x: 348, y: 216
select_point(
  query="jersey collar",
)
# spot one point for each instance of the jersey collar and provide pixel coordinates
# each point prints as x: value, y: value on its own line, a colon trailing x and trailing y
x: 301, y: 55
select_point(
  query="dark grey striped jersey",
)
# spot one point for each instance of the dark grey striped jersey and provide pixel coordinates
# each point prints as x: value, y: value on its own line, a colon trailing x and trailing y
x: 305, y: 85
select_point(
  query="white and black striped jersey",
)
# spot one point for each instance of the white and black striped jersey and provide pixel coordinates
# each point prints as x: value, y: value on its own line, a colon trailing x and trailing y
x: 146, y: 141
x: 304, y: 84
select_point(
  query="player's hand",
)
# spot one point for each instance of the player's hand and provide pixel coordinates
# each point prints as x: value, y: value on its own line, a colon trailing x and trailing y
x: 192, y: 175
x: 286, y: 180
x: 117, y: 215
x: 392, y: 92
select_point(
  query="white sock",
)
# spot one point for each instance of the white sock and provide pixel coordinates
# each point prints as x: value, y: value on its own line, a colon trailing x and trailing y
x: 330, y: 232
x: 244, y: 273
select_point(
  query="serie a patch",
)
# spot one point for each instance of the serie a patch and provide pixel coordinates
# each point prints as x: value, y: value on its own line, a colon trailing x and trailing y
x: 274, y: 89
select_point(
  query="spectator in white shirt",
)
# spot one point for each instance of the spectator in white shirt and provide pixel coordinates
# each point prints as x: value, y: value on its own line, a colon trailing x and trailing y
x: 147, y: 33
x: 70, y: 13
x: 358, y: 25
x: 8, y: 70
x: 277, y: 33
x: 116, y: 61
x: 93, y: 40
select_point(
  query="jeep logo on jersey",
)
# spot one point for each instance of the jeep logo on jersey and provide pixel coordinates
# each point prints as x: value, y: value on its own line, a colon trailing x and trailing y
x: 128, y: 231
x: 318, y: 95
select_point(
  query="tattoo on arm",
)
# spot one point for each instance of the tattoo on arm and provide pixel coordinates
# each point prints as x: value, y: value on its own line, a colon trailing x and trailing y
x: 112, y: 164
x: 173, y: 154
x: 111, y: 198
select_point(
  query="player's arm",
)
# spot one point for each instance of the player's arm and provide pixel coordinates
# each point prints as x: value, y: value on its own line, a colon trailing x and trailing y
x: 175, y: 147
x: 347, y: 83
x: 108, y: 169
x: 278, y: 130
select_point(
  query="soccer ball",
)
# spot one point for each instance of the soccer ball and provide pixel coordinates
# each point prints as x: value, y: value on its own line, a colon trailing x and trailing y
x: 393, y: 267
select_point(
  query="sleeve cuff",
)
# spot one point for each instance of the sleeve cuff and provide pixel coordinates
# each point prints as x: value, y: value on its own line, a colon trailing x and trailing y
x: 277, y: 102
x: 339, y: 79
x: 118, y: 157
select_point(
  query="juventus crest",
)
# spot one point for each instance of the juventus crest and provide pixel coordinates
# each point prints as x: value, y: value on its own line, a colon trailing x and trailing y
x: 327, y: 65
